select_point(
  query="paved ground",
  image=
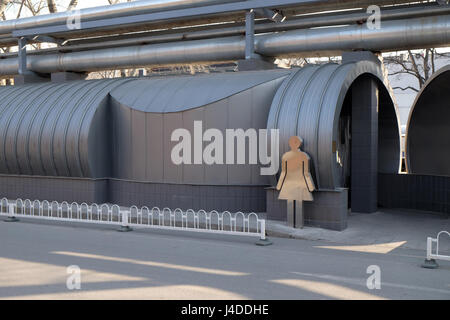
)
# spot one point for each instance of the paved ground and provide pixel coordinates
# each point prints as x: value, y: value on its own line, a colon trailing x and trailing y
x: 154, y: 265
x: 388, y: 226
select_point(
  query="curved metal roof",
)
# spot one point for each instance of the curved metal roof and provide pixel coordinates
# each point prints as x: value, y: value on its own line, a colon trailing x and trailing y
x: 175, y: 94
x: 44, y: 128
x: 62, y: 129
x: 428, y: 128
x: 309, y: 103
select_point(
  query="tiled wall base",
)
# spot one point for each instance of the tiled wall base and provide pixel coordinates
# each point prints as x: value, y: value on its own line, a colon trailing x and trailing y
x: 127, y: 193
x: 329, y: 210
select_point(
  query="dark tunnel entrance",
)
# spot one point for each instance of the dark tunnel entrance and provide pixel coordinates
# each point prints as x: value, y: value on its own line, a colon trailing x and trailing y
x: 428, y: 135
x: 368, y: 141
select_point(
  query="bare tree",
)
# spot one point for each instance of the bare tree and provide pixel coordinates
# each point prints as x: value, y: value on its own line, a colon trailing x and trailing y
x: 52, y: 6
x: 419, y: 64
x: 35, y: 7
x: 3, y: 5
x: 72, y: 5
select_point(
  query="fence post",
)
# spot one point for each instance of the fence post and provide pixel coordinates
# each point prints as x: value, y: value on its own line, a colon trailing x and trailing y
x: 125, y: 226
x: 263, y: 241
x: 12, y: 213
x: 430, y: 263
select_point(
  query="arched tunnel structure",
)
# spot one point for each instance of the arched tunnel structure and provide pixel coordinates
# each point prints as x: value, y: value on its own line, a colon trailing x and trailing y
x: 315, y: 103
x: 428, y: 129
x: 110, y: 140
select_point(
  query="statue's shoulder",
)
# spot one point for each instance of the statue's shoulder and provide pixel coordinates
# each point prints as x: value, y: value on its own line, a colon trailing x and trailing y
x: 305, y: 155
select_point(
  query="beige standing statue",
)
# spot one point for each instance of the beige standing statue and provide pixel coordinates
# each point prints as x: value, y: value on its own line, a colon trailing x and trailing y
x: 296, y: 183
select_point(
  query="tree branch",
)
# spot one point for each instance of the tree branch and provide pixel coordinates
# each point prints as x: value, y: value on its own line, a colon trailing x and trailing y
x: 406, y: 88
x: 52, y: 6
x: 72, y: 5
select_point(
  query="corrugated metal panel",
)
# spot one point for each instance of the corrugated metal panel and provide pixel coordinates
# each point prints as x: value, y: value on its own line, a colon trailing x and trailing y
x: 45, y: 128
x: 154, y: 108
x: 65, y: 129
x: 181, y: 93
x: 309, y: 103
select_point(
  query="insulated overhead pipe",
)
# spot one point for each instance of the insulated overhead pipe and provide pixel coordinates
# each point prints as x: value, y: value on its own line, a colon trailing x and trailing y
x: 393, y: 35
x: 104, y: 12
x: 233, y: 29
x: 135, y: 8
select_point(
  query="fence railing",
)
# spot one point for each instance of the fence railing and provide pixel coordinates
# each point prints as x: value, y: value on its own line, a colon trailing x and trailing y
x: 431, y: 256
x: 197, y: 221
x: 430, y: 241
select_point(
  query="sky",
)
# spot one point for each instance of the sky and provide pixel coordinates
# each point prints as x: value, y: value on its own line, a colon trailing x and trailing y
x: 62, y: 5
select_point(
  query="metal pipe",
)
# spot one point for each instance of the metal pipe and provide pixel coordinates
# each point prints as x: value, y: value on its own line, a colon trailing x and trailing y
x: 150, y: 6
x: 333, y: 19
x: 239, y: 28
x: 233, y: 29
x: 393, y: 35
x: 104, y: 12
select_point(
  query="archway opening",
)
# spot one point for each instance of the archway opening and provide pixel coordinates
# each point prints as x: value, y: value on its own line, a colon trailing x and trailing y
x: 368, y: 141
x: 428, y: 135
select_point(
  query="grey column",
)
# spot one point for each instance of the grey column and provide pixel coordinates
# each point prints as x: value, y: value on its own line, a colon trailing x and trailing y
x: 249, y: 34
x: 22, y: 54
x: 253, y: 61
x: 25, y: 75
x: 364, y: 145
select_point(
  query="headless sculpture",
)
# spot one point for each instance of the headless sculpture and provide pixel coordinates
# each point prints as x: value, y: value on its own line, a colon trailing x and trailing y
x: 296, y: 183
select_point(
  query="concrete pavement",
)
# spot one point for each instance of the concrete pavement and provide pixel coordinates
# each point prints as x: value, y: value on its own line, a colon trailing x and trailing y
x: 147, y: 264
x: 385, y: 226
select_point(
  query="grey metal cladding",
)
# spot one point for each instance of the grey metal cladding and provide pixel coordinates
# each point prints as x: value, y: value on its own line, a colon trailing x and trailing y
x: 147, y: 111
x: 175, y: 94
x: 122, y: 128
x: 428, y: 129
x: 309, y: 103
x: 45, y: 128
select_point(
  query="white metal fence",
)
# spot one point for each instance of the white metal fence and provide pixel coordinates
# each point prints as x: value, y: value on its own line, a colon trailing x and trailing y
x: 430, y: 242
x: 134, y: 217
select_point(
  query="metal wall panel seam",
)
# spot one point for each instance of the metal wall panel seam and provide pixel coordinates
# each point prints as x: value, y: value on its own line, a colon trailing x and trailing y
x: 4, y: 127
x: 175, y: 102
x: 88, y: 86
x: 299, y: 123
x: 10, y: 94
x: 48, y: 92
x: 89, y: 123
x: 317, y: 125
x: 92, y: 105
x: 13, y: 125
x: 78, y: 86
x: 287, y: 123
x: 178, y: 88
x: 290, y: 106
x: 78, y: 110
x: 150, y: 104
x: 327, y: 121
x: 30, y: 122
x: 54, y: 96
x: 70, y: 141
x: 279, y: 96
